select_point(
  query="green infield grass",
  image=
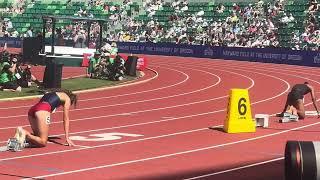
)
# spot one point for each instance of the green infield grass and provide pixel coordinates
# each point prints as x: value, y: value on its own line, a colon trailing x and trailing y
x: 74, y: 84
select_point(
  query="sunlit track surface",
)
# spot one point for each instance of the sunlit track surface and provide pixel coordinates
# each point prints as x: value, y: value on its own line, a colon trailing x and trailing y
x: 160, y: 127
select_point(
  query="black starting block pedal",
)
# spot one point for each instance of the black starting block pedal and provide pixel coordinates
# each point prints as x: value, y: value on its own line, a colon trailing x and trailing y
x: 288, y: 117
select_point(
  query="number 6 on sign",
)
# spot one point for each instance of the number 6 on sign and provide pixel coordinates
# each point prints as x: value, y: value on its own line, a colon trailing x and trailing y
x: 242, y: 108
x: 103, y: 137
x: 239, y: 118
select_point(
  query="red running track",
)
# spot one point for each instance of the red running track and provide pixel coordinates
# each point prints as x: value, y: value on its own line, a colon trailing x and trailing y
x: 157, y: 127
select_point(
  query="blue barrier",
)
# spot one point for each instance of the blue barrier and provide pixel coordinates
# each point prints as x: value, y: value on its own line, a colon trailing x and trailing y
x: 11, y: 42
x: 272, y: 55
x: 167, y: 49
x: 266, y: 55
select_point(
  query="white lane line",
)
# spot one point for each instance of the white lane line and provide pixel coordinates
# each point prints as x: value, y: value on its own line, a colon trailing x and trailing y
x: 124, y: 84
x: 120, y: 95
x: 149, y: 122
x: 133, y: 102
x: 157, y: 109
x: 106, y: 145
x: 138, y: 124
x: 124, y: 103
x: 272, y: 70
x: 49, y: 142
x: 76, y: 145
x: 260, y: 66
x: 177, y: 153
x: 221, y: 110
x: 236, y: 169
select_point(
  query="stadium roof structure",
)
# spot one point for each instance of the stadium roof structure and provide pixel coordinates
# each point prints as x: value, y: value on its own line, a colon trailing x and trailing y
x: 54, y: 18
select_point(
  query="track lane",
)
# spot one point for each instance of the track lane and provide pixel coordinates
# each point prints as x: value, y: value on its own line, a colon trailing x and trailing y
x: 192, y: 136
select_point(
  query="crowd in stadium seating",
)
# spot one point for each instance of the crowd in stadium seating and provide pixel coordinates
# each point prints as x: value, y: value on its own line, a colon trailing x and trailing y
x: 245, y: 27
x: 255, y: 25
x: 310, y: 38
x: 17, y: 7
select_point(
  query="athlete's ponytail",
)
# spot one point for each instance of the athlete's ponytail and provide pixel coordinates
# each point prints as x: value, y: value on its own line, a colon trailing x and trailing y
x: 74, y: 99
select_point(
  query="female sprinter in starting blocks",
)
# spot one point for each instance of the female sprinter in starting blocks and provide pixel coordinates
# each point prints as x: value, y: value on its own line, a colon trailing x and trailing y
x: 39, y: 117
x: 294, y: 104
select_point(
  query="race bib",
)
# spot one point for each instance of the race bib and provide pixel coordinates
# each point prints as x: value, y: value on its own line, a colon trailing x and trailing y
x: 48, y: 120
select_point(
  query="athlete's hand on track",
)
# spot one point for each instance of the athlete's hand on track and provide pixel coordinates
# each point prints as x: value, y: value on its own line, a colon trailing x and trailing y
x: 69, y: 142
x: 318, y: 114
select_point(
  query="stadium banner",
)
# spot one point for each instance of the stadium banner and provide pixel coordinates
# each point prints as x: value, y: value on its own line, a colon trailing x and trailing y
x: 266, y: 55
x: 272, y: 55
x: 166, y: 49
x: 12, y: 42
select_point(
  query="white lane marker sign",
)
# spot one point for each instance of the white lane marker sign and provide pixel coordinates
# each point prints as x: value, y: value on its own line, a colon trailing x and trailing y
x: 103, y: 137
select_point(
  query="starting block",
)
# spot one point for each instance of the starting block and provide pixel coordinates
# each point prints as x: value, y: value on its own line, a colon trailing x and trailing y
x: 262, y: 120
x: 311, y: 113
x: 288, y: 117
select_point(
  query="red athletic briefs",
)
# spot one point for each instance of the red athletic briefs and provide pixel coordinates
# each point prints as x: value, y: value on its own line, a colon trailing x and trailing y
x: 41, y: 106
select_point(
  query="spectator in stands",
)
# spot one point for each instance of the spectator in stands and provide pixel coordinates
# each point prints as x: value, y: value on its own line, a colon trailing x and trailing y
x: 313, y: 6
x: 220, y: 8
x: 14, y: 33
x: 8, y: 24
x: 60, y: 41
x: 263, y: 16
x: 82, y: 12
x: 29, y: 33
x: 235, y: 8
x: 184, y: 5
x: 80, y: 39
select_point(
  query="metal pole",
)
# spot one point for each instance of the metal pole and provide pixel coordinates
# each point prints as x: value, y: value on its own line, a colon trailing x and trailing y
x: 100, y: 34
x: 43, y: 40
x: 53, y: 34
x: 88, y: 37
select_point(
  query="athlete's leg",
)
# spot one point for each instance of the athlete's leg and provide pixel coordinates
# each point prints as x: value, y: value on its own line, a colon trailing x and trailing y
x: 293, y: 110
x: 40, y: 129
x: 300, y: 109
x: 286, y: 107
